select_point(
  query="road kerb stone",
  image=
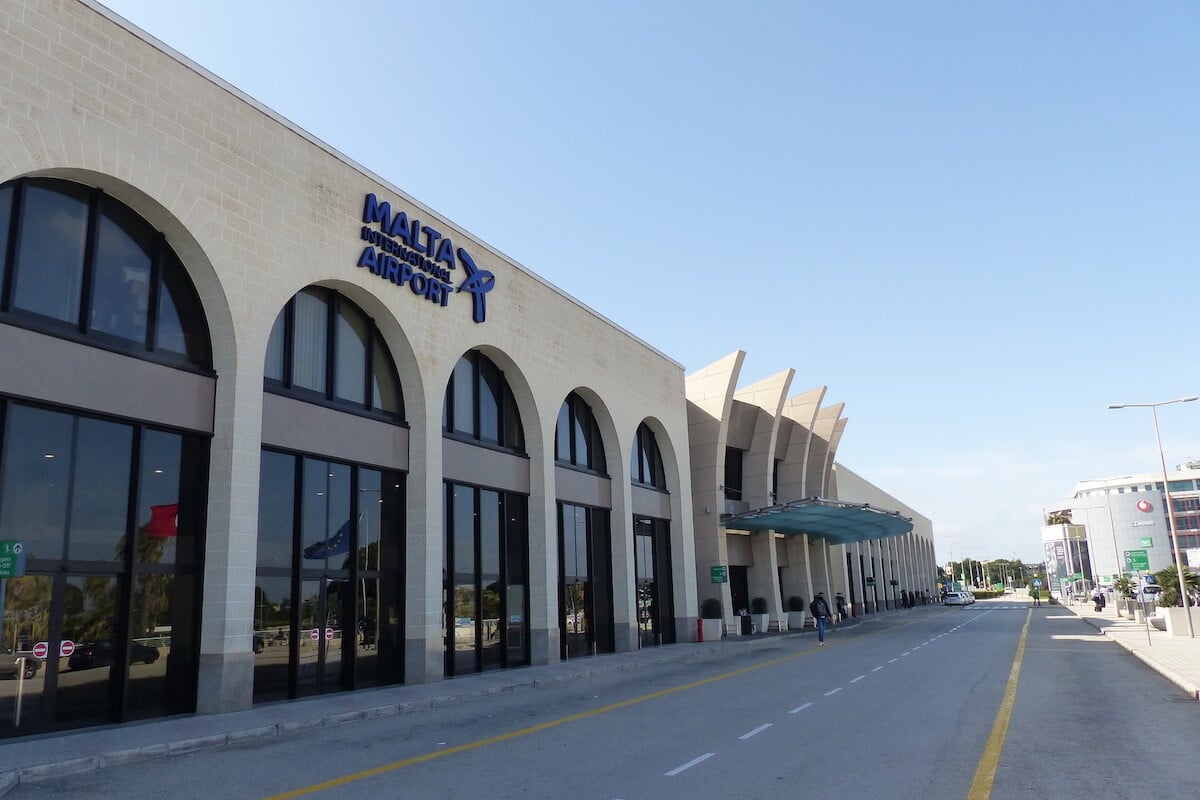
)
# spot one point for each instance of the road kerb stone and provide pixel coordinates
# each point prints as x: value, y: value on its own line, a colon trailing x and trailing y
x: 251, y: 734
x: 134, y: 755
x: 70, y: 766
x: 199, y: 743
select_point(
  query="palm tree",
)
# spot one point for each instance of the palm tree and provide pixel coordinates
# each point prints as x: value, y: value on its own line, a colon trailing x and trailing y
x: 1168, y: 579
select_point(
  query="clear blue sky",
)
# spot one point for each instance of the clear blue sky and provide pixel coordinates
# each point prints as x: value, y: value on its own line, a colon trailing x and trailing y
x: 977, y: 224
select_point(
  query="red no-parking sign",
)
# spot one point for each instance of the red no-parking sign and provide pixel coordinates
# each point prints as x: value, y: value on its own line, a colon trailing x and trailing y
x: 40, y: 649
x: 315, y: 634
x: 328, y: 634
x: 66, y: 648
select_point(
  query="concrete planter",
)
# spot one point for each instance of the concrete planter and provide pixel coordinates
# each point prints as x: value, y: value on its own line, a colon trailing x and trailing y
x: 762, y: 622
x: 712, y: 629
x: 1177, y: 624
x: 795, y: 620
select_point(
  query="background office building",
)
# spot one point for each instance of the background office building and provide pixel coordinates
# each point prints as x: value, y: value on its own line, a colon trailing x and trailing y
x: 1126, y: 517
x: 271, y: 428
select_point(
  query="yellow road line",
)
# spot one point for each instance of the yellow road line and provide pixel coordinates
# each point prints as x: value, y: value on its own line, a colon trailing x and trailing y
x: 554, y: 723
x: 985, y: 773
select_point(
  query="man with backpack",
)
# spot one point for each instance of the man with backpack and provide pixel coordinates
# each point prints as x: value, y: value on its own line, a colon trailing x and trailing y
x: 820, y: 611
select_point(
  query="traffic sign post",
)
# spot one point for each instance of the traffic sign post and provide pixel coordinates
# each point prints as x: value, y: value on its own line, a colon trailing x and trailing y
x: 12, y: 559
x: 1137, y: 561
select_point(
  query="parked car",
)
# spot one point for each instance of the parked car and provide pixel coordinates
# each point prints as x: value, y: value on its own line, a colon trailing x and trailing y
x: 100, y: 654
x: 8, y: 664
x: 956, y: 599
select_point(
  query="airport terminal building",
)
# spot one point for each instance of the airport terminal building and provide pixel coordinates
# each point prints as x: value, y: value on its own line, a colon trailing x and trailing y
x: 270, y: 427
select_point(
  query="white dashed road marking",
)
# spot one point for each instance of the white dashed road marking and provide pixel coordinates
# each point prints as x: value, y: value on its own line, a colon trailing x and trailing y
x: 754, y: 732
x: 689, y: 764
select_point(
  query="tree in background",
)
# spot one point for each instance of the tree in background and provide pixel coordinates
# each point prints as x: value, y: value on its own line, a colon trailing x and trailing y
x: 1168, y: 579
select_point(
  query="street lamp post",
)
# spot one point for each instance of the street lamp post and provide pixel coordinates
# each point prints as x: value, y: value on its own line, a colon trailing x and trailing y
x: 1183, y: 595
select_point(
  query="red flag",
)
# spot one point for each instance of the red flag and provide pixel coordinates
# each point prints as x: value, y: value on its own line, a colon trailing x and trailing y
x: 164, y: 521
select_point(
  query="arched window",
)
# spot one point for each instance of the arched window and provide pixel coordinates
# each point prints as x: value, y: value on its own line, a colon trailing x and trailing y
x: 323, y: 347
x: 76, y: 262
x: 480, y: 405
x: 646, y: 467
x: 577, y: 438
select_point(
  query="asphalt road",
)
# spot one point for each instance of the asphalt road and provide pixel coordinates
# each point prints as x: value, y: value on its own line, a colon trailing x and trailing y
x: 903, y: 708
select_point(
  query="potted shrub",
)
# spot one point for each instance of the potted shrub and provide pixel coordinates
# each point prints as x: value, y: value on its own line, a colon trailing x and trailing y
x: 795, y: 617
x: 758, y: 613
x: 710, y: 620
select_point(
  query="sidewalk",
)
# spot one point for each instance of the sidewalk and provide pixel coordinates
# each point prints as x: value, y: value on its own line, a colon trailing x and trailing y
x: 39, y: 758
x: 1176, y: 658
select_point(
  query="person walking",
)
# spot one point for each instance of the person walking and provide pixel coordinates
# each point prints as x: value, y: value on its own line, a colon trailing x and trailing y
x: 1036, y: 594
x: 820, y: 611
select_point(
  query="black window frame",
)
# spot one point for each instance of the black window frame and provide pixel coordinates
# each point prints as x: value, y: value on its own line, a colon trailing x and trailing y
x: 510, y: 428
x: 579, y: 413
x: 297, y: 573
x: 125, y: 568
x: 165, y: 268
x: 735, y: 459
x: 285, y: 386
x: 647, y: 454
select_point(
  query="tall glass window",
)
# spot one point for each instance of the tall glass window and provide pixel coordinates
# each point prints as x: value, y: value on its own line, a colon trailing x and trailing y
x: 112, y: 517
x: 646, y: 467
x: 577, y: 439
x: 733, y: 473
x: 86, y: 266
x: 329, y: 595
x: 480, y: 404
x: 324, y: 348
x: 652, y: 567
x: 585, y: 582
x: 487, y: 592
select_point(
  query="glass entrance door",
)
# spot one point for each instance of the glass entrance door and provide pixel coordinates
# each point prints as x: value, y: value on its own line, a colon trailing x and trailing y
x: 654, y: 598
x: 585, y: 583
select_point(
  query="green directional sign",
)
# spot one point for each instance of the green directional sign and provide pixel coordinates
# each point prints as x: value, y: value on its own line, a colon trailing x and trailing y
x: 1137, y: 560
x: 12, y: 559
x: 1146, y: 541
x: 719, y: 574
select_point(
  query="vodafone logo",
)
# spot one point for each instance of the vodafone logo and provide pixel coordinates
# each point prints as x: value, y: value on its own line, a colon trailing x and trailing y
x: 1144, y: 506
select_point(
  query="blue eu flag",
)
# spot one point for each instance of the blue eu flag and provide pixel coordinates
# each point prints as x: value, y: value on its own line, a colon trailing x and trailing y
x: 336, y: 545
